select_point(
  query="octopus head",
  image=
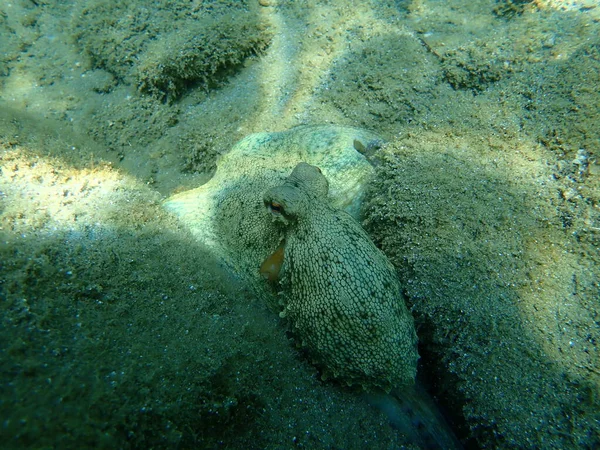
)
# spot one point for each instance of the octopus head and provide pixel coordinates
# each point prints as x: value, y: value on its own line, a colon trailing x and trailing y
x: 289, y: 201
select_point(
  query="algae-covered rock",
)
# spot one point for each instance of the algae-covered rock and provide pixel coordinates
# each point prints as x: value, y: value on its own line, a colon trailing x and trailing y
x: 203, y: 54
x: 164, y: 50
x: 484, y: 260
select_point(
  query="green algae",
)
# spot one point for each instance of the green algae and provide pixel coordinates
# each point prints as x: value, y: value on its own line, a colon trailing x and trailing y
x: 166, y: 50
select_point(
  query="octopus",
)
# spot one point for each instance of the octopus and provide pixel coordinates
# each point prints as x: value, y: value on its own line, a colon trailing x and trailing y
x: 297, y: 235
x: 340, y: 293
x: 226, y: 216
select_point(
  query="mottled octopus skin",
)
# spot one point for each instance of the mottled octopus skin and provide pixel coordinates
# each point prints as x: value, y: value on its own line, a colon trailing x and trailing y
x: 226, y: 215
x: 340, y: 293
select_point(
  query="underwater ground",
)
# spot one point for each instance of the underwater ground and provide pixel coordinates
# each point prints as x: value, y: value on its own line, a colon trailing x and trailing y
x: 120, y: 330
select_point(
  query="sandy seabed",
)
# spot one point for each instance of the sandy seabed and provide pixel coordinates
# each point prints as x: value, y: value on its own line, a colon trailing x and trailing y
x: 120, y: 330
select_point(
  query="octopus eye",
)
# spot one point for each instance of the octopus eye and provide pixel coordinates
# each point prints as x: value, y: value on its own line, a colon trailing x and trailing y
x: 318, y: 169
x: 276, y: 207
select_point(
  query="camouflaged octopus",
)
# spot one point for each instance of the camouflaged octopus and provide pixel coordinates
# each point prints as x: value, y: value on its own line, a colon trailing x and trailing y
x: 340, y: 293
